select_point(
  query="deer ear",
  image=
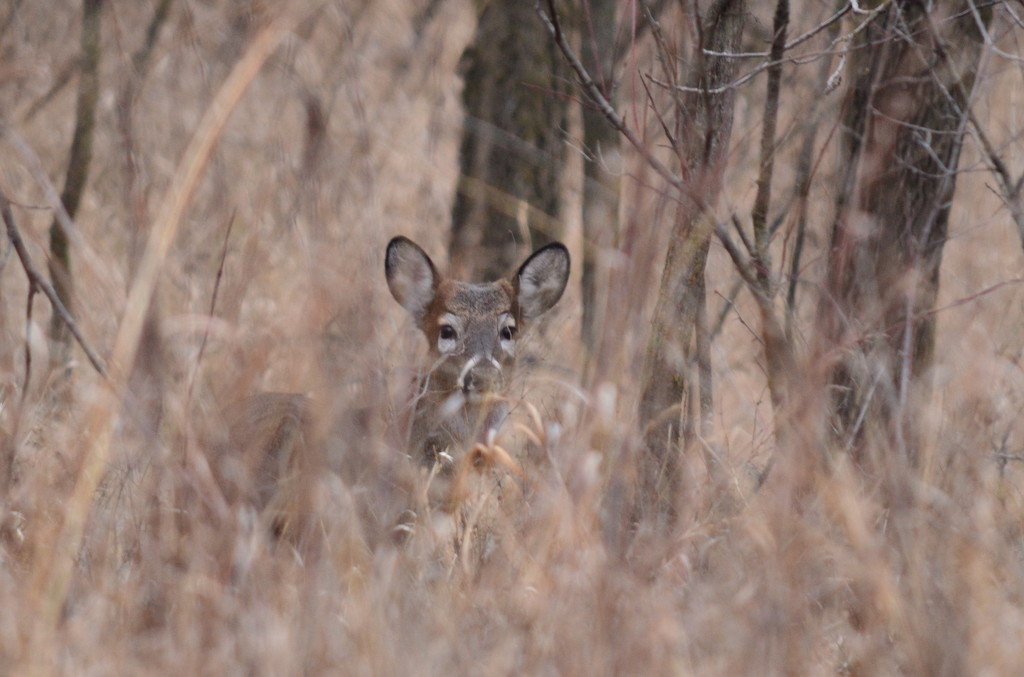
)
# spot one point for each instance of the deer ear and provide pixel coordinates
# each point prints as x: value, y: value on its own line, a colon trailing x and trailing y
x: 411, y: 275
x: 542, y: 279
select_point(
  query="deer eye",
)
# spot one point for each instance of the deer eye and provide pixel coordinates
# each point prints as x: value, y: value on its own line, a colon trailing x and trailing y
x: 507, y: 333
x: 447, y: 332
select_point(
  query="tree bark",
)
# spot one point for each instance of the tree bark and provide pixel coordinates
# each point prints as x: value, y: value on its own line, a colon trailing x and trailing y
x: 911, y: 73
x: 702, y: 143
x: 512, y: 151
x: 601, y: 173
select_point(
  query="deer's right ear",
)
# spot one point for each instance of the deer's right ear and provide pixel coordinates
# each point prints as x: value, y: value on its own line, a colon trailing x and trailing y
x: 411, y: 275
x: 542, y: 279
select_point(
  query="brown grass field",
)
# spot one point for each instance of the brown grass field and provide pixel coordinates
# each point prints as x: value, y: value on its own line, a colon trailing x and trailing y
x: 121, y: 554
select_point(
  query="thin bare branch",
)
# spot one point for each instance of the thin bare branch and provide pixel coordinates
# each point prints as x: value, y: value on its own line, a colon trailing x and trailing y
x: 622, y: 46
x: 743, y: 236
x: 33, y: 289
x: 799, y: 40
x: 554, y: 28
x: 743, y: 266
x: 39, y: 280
x: 213, y: 304
x: 729, y: 305
x: 657, y: 113
x: 659, y: 39
x: 86, y: 253
x: 799, y: 59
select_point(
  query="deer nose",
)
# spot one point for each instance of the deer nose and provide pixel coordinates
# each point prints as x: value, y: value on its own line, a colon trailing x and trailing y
x: 481, y: 375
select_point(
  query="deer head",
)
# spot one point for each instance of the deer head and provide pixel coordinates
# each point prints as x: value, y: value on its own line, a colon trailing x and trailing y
x: 472, y: 330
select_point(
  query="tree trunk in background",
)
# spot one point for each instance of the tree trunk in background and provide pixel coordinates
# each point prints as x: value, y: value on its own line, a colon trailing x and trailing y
x: 705, y: 126
x: 512, y: 150
x: 601, y: 174
x: 78, y: 173
x: 905, y: 115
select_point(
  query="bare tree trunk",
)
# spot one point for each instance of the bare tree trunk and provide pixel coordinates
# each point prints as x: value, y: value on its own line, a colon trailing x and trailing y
x: 702, y: 144
x: 77, y: 175
x: 911, y: 73
x: 601, y: 180
x: 804, y: 170
x: 512, y: 152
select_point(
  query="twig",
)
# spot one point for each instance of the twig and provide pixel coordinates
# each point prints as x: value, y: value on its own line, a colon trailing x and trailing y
x: 629, y: 41
x: 51, y: 196
x: 554, y: 28
x: 140, y: 60
x: 778, y: 351
x: 730, y: 298
x: 743, y: 236
x: 730, y: 304
x: 664, y: 53
x: 743, y: 266
x: 213, y: 305
x: 32, y: 291
x: 42, y: 284
x: 657, y: 113
x: 798, y: 59
x: 800, y: 39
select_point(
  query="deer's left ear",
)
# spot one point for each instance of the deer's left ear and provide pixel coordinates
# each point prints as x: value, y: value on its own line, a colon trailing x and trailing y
x: 541, y: 279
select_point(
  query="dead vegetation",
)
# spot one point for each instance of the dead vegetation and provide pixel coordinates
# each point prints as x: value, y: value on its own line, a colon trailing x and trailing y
x: 278, y: 149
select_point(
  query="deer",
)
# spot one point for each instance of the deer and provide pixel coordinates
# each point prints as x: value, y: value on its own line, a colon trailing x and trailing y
x: 461, y: 394
x: 471, y: 331
x: 460, y: 399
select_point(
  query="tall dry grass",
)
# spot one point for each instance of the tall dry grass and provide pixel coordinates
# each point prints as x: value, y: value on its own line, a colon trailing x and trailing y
x: 346, y: 136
